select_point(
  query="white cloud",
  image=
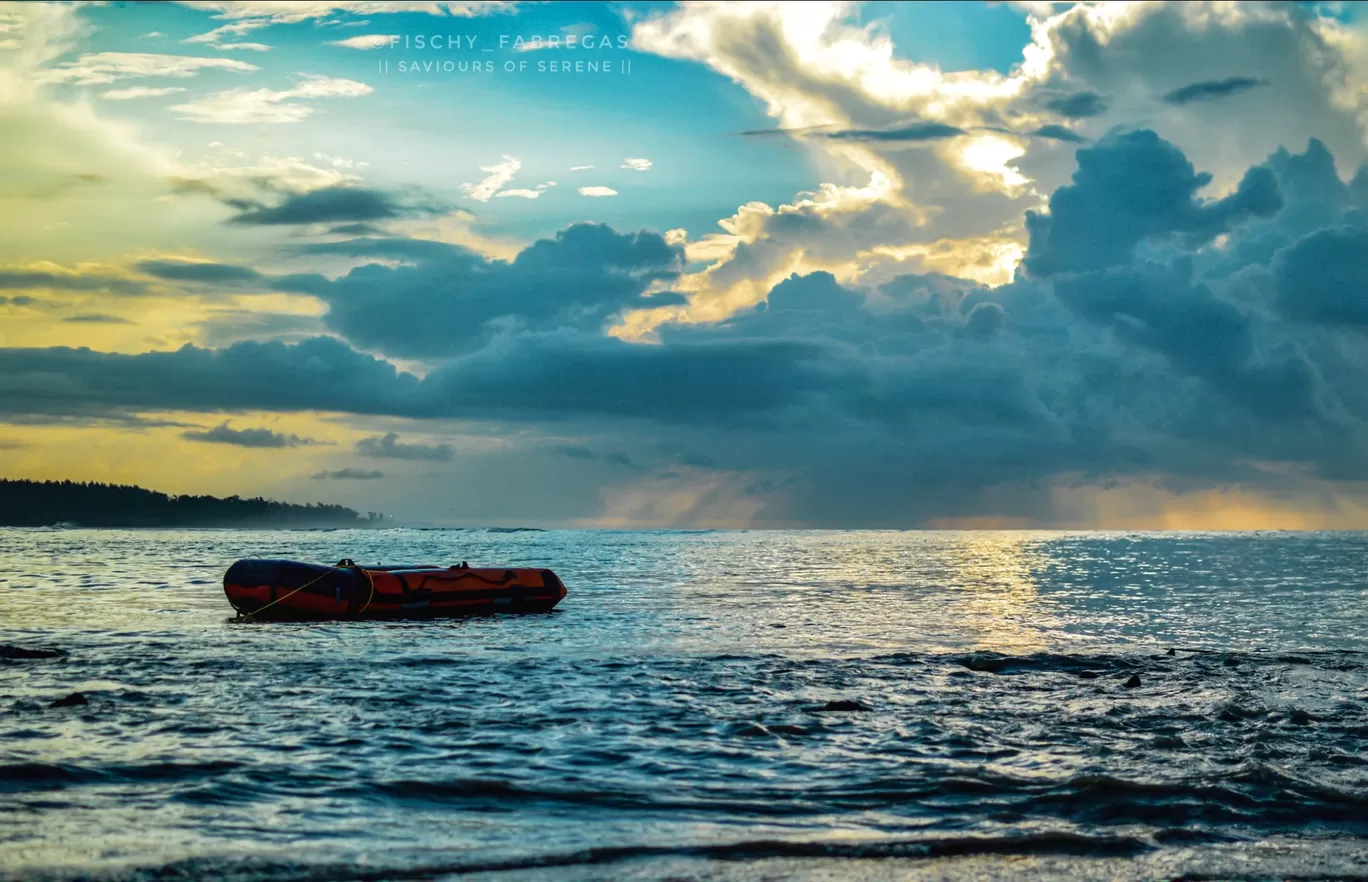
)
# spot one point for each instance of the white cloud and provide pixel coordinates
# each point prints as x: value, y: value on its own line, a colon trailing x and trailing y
x: 233, y: 174
x: 107, y: 67
x: 636, y: 164
x: 597, y: 191
x: 139, y: 92
x: 251, y: 106
x: 526, y: 194
x: 253, y: 47
x: 340, y: 162
x: 368, y: 41
x: 499, y: 174
x: 580, y: 167
x: 953, y: 158
x: 249, y: 15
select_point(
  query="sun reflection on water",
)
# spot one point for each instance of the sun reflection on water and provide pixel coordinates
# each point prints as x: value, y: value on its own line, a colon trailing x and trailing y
x: 994, y: 593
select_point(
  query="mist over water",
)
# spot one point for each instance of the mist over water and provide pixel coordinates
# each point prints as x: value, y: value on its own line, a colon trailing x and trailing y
x: 702, y: 704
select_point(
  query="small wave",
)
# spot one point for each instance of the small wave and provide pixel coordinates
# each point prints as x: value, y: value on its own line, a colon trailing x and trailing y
x: 24, y: 653
x: 259, y: 870
x: 31, y: 776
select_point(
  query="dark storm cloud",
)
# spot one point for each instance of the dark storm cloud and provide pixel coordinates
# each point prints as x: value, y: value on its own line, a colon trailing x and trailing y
x: 985, y: 319
x: 336, y: 205
x: 1323, y: 278
x: 1078, y: 105
x: 1161, y: 309
x: 192, y: 271
x: 569, y: 375
x: 349, y: 475
x: 390, y: 447
x: 265, y: 438
x: 21, y: 300
x: 449, y: 300
x: 1130, y: 188
x: 317, y: 374
x: 1212, y: 89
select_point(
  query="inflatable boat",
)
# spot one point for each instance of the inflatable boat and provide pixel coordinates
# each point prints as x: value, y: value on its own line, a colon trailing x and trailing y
x: 287, y: 590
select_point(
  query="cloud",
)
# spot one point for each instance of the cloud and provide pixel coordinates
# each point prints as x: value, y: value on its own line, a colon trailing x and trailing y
x: 349, y: 474
x: 1130, y: 188
x: 578, y: 451
x: 597, y: 191
x: 253, y: 47
x: 267, y: 106
x: 261, y: 438
x: 317, y: 374
x: 138, y: 92
x: 1323, y: 278
x: 366, y: 41
x: 198, y: 271
x: 580, y: 167
x: 911, y: 133
x: 575, y: 451
x: 499, y: 174
x: 1210, y: 89
x: 1059, y: 133
x: 245, y: 16
x: 53, y: 277
x: 389, y: 447
x: 1078, y: 105
x: 97, y: 318
x: 442, y: 300
x: 340, y: 204
x: 244, y: 184
x: 101, y: 68
x: 635, y: 164
x: 525, y: 194
x: 956, y: 203
x: 985, y: 319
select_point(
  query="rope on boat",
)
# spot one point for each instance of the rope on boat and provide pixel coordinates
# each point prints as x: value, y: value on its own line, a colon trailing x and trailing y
x: 371, y: 579
x: 341, y: 565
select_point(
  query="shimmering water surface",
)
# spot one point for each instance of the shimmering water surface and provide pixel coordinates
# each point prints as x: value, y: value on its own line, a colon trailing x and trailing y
x: 670, y: 718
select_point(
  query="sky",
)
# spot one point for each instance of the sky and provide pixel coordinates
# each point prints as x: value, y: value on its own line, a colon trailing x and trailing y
x: 697, y: 265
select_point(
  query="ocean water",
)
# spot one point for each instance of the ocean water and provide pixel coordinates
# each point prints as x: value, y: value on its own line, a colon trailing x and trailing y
x: 679, y: 715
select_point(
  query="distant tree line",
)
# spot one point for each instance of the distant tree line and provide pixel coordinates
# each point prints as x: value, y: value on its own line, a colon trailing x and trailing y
x: 46, y: 503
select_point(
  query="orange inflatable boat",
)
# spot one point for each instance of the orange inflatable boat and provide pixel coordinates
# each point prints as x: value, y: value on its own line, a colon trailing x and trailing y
x: 287, y: 590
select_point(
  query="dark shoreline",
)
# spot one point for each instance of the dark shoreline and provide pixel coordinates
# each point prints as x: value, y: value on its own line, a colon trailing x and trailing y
x: 25, y: 503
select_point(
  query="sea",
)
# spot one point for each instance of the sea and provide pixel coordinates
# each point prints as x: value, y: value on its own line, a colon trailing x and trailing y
x: 702, y: 705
